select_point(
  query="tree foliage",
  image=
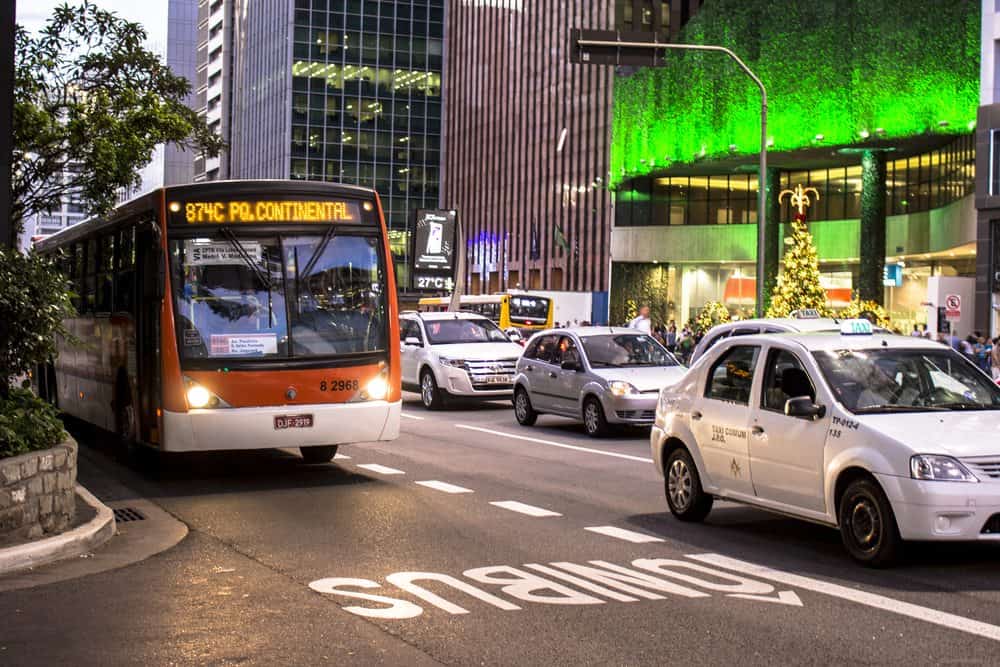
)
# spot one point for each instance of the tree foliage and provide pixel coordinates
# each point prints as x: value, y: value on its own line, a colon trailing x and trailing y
x: 90, y: 105
x: 711, y: 314
x: 798, y: 284
x: 641, y: 285
x: 869, y: 310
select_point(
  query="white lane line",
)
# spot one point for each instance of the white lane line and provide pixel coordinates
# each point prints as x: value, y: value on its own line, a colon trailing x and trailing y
x: 882, y: 602
x: 550, y: 443
x: 530, y: 510
x: 382, y: 470
x: 409, y: 416
x: 622, y: 534
x: 444, y: 486
x: 341, y: 457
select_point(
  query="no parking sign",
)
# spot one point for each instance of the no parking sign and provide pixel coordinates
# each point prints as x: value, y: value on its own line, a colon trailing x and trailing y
x: 953, y: 307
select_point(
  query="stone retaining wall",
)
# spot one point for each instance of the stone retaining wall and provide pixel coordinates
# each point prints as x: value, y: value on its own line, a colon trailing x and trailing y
x: 38, y: 492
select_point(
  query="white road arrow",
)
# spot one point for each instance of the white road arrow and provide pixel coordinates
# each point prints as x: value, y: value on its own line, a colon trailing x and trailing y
x: 784, y: 597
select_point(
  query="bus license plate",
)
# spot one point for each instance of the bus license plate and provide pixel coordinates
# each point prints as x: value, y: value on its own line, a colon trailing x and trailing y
x: 293, y: 421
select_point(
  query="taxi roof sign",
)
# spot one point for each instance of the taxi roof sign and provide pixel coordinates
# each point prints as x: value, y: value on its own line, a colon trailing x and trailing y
x: 806, y: 314
x: 857, y: 327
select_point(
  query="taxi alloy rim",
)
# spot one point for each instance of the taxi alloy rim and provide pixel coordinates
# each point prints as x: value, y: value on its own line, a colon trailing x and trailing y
x: 427, y: 389
x: 866, y: 524
x: 521, y: 405
x: 679, y: 484
x: 590, y: 417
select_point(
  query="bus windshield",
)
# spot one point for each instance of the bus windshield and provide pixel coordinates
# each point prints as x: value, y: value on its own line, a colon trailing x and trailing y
x: 525, y: 309
x: 288, y: 296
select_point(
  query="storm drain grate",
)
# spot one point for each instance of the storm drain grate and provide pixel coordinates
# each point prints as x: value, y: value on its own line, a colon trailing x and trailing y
x: 123, y: 514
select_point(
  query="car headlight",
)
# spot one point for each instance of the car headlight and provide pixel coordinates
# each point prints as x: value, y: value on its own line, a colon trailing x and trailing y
x: 621, y: 388
x: 199, y: 397
x: 457, y: 363
x: 939, y: 468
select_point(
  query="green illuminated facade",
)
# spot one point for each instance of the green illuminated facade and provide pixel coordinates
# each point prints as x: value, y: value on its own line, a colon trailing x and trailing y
x: 846, y: 80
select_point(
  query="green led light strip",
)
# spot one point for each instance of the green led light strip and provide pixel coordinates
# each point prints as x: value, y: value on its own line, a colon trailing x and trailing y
x: 837, y: 72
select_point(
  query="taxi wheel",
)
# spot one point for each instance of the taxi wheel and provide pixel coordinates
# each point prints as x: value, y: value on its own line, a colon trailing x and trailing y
x: 526, y: 415
x: 868, y: 525
x: 685, y: 497
x: 320, y: 454
x: 594, y: 421
x: 430, y: 395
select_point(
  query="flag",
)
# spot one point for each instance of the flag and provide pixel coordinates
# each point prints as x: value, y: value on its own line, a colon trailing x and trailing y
x: 559, y: 237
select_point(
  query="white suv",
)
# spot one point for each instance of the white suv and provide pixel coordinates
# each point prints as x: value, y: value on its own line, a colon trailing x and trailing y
x: 463, y: 355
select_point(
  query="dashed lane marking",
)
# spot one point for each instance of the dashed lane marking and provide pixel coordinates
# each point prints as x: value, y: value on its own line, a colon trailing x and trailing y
x: 530, y: 510
x: 409, y: 416
x: 444, y: 486
x: 551, y: 443
x: 380, y: 469
x: 861, y: 597
x: 622, y: 534
x: 341, y: 457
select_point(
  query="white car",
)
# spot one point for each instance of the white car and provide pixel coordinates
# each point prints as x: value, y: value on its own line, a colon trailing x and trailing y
x: 445, y: 355
x: 888, y: 438
x: 601, y: 375
x: 801, y: 321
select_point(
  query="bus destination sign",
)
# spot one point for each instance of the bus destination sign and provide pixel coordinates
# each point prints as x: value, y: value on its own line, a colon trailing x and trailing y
x: 265, y: 211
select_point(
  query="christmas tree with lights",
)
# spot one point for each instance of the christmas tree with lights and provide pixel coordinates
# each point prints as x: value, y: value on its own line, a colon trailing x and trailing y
x: 798, y: 285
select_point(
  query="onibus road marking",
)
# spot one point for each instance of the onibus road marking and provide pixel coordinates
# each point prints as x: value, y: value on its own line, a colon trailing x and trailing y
x: 530, y: 510
x: 552, y: 443
x: 622, y: 534
x: 934, y: 616
x: 444, y: 486
x: 380, y: 469
x: 596, y: 582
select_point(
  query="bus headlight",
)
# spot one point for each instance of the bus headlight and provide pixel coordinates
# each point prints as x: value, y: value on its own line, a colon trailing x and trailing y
x: 198, y: 396
x: 377, y: 388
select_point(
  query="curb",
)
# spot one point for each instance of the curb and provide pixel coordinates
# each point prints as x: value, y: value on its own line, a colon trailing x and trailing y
x: 75, y: 542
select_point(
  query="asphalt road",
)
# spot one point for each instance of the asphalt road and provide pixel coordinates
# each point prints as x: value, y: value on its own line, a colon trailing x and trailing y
x: 480, y: 538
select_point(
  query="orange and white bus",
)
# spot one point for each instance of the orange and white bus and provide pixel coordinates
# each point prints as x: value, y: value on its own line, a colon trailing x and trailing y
x: 232, y: 315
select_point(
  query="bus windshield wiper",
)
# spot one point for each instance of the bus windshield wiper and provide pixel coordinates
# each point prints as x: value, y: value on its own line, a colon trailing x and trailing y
x: 261, y: 276
x: 317, y: 252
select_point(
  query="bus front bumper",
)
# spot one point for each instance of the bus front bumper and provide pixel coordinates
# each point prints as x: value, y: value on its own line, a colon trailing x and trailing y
x: 256, y: 428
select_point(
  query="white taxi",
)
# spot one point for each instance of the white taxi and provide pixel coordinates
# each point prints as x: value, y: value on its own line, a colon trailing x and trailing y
x: 888, y: 438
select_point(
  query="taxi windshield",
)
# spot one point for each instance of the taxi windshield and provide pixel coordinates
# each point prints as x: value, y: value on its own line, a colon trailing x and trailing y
x: 621, y: 350
x: 447, y: 332
x: 883, y: 381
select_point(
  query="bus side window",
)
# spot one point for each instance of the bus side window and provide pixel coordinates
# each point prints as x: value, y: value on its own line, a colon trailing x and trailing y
x: 125, y: 271
x: 89, y: 277
x: 105, y: 274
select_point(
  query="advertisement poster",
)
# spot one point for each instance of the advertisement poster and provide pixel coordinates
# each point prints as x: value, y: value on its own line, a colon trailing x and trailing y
x: 434, y: 244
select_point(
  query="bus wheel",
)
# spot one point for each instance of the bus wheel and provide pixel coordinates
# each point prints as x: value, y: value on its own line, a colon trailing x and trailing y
x: 320, y: 454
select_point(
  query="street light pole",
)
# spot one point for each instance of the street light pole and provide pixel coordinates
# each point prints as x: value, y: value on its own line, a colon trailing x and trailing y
x: 762, y: 177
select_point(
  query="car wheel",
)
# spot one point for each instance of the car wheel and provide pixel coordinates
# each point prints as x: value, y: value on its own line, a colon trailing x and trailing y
x: 594, y: 421
x: 685, y: 497
x: 868, y: 525
x: 526, y: 415
x: 319, y: 454
x: 431, y: 396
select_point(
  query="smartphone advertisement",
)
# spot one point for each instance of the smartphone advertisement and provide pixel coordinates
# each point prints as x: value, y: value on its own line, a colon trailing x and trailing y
x: 433, y: 253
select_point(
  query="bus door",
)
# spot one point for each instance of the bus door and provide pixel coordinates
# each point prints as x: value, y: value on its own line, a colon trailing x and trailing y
x: 150, y: 278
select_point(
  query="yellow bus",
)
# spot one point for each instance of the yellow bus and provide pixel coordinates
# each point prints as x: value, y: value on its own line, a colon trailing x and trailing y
x: 521, y: 311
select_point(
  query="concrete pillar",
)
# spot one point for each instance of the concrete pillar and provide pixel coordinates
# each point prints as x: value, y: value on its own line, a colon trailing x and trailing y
x: 872, y: 251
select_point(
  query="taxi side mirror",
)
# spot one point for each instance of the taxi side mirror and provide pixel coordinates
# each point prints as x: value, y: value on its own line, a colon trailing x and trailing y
x: 412, y: 341
x: 804, y: 408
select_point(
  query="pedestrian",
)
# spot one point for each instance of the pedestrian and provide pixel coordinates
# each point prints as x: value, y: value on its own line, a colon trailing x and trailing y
x: 671, y: 337
x: 642, y: 322
x: 916, y: 331
x: 995, y: 358
x: 967, y: 348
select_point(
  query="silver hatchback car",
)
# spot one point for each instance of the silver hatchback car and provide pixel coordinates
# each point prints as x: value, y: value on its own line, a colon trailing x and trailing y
x: 602, y: 375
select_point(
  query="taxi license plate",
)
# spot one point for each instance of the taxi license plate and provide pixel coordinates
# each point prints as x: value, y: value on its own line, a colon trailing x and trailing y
x: 292, y: 421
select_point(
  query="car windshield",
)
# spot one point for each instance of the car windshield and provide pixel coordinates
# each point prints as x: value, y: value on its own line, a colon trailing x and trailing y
x: 886, y: 380
x: 524, y: 309
x: 619, y: 350
x: 446, y: 332
x: 278, y: 296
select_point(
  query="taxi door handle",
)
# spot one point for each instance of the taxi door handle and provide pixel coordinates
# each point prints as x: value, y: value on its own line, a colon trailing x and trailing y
x: 696, y: 415
x: 757, y: 430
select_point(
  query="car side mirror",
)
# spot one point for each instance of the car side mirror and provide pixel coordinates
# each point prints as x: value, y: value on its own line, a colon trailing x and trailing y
x: 804, y: 408
x: 571, y: 366
x: 413, y: 341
